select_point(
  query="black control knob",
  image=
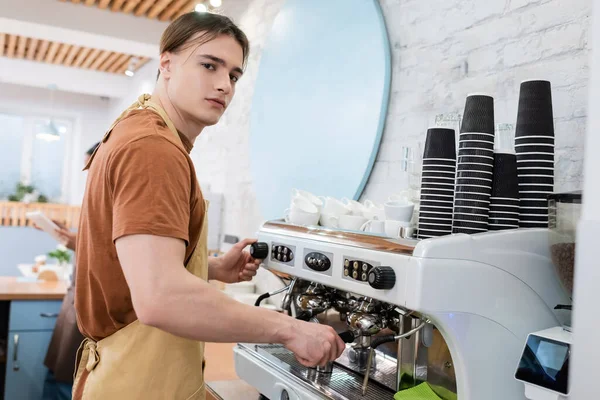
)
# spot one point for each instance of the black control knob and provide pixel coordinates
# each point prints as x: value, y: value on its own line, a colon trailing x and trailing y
x: 259, y: 250
x: 382, y: 278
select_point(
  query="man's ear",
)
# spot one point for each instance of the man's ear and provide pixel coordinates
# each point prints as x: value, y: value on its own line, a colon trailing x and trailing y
x: 165, y: 63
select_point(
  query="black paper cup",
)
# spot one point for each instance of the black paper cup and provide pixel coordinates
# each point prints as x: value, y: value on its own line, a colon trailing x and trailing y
x: 478, y: 115
x: 470, y: 224
x: 436, y: 215
x: 465, y: 144
x: 476, y: 151
x: 527, y: 163
x: 534, y: 111
x: 543, y: 171
x: 524, y: 203
x: 535, y: 139
x: 472, y: 197
x: 429, y: 173
x: 435, y: 225
x: 504, y: 221
x: 535, y: 188
x: 471, y: 204
x: 536, y: 179
x: 535, y: 156
x: 505, y: 200
x: 438, y: 180
x: 437, y: 203
x: 475, y: 166
x: 471, y: 210
x: 510, y: 216
x: 485, y: 160
x: 504, y: 209
x: 485, y: 190
x: 533, y: 148
x: 433, y: 232
x: 448, y: 162
x: 437, y: 192
x: 474, y: 174
x: 502, y: 227
x: 440, y: 143
x: 474, y: 181
x: 435, y: 208
x: 436, y: 198
x: 533, y: 225
x: 479, y: 218
x: 534, y: 211
x: 484, y: 137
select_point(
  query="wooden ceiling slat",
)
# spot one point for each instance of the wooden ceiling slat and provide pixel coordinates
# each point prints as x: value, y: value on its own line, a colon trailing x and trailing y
x: 100, y: 59
x: 141, y: 62
x: 81, y: 56
x: 2, y: 43
x: 108, y: 62
x: 158, y: 7
x: 52, y: 51
x: 71, y: 55
x: 185, y: 9
x: 143, y: 7
x: 62, y: 53
x: 131, y: 4
x: 42, y: 49
x: 12, y: 46
x: 21, y: 46
x: 90, y: 58
x: 103, y: 4
x: 173, y: 9
x: 116, y: 5
x: 31, y: 48
x: 123, y: 59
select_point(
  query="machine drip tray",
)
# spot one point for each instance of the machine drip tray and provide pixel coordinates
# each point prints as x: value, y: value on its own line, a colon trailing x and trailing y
x: 340, y: 384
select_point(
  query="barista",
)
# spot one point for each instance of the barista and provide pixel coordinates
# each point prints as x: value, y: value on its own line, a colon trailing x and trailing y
x: 62, y: 350
x: 142, y: 297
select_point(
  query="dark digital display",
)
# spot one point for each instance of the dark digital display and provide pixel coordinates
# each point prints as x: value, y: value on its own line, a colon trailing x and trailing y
x: 545, y: 363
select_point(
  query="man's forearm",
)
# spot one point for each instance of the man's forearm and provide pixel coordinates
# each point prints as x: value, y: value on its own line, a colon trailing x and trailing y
x: 187, y: 306
x: 213, y: 267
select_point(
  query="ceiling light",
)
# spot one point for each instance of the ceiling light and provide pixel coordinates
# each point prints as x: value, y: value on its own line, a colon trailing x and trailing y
x: 130, y: 71
x: 201, y: 8
x: 50, y: 133
x: 216, y: 3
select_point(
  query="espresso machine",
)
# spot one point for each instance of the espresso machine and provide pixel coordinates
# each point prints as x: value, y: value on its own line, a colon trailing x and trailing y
x: 452, y: 311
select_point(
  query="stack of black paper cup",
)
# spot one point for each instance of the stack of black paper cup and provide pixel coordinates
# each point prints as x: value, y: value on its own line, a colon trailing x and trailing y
x: 534, y: 145
x: 437, y: 183
x: 504, y: 203
x: 475, y: 166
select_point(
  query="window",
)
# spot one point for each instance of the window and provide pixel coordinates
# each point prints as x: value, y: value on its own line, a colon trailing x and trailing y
x: 34, y: 152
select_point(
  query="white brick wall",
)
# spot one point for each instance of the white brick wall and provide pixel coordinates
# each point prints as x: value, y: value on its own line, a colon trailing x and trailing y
x: 442, y: 50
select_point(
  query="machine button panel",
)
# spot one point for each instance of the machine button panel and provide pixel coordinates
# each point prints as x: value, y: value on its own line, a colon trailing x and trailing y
x: 282, y: 253
x: 317, y: 261
x: 357, y: 270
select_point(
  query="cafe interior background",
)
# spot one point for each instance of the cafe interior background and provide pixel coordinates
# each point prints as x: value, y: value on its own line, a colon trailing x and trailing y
x: 68, y: 68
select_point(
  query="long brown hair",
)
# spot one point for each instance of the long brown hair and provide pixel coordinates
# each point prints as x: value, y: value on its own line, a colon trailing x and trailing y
x: 178, y: 34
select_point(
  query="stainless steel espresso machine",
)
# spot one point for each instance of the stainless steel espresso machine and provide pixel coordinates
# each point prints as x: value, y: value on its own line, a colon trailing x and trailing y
x: 452, y: 311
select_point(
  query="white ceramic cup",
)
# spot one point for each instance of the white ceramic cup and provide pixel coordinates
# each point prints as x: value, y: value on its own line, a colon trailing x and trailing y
x: 299, y: 217
x: 302, y: 212
x: 334, y: 207
x: 329, y: 221
x: 399, y: 210
x: 309, y: 196
x: 355, y: 207
x: 351, y: 222
x: 373, y: 226
x: 393, y: 228
x: 372, y: 210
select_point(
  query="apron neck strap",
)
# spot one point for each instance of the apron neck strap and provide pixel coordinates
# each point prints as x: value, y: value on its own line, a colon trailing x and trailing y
x: 143, y: 102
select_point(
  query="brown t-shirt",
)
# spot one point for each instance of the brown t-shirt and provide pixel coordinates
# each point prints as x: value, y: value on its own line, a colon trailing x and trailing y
x: 141, y: 181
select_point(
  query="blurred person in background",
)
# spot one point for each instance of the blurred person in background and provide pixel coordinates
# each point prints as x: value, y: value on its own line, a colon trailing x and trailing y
x: 66, y: 338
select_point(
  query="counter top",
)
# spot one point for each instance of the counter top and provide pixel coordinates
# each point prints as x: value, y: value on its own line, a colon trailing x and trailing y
x: 12, y: 289
x: 222, y: 383
x: 231, y: 390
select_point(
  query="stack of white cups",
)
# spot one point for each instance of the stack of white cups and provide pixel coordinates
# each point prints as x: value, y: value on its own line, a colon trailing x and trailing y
x: 305, y: 208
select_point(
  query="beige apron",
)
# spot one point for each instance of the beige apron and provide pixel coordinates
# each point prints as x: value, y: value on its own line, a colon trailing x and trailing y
x: 139, y: 361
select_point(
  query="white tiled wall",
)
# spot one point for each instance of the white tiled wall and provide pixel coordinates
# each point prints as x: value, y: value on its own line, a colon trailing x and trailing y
x: 442, y: 50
